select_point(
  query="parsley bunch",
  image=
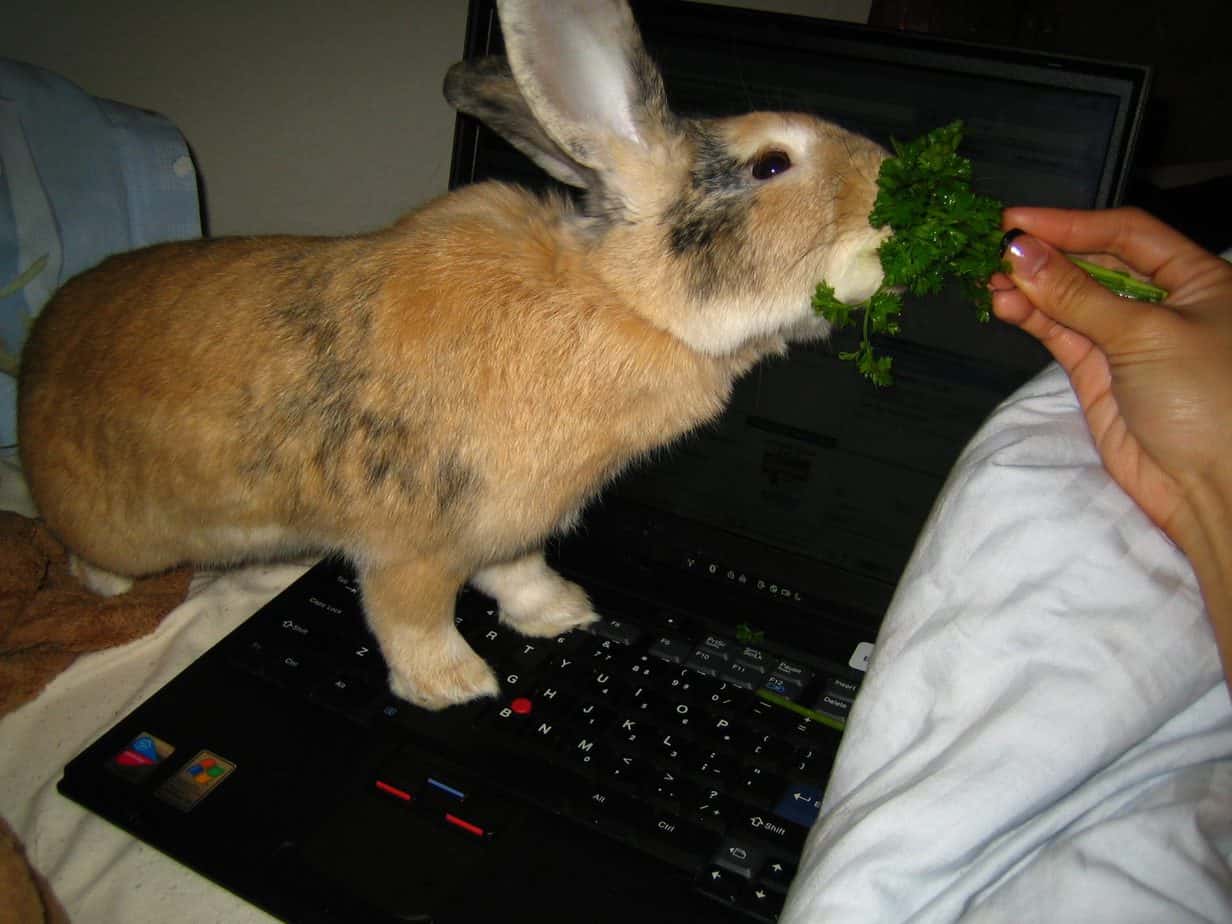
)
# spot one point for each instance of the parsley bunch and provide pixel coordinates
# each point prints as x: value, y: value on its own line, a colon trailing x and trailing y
x: 941, y: 229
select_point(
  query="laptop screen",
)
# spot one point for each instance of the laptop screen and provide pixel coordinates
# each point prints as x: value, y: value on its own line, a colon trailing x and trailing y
x: 815, y: 484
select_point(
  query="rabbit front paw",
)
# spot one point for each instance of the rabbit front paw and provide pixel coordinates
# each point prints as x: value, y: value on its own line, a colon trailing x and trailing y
x: 534, y: 600
x: 563, y: 607
x: 435, y: 676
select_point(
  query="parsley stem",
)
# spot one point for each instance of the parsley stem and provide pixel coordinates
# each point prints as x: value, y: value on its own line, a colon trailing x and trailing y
x: 1121, y: 282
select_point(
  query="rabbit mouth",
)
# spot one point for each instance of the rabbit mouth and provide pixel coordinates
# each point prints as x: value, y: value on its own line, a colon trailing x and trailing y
x: 855, y: 271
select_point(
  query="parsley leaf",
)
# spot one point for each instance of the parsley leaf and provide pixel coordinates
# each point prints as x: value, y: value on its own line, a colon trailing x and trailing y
x: 941, y: 230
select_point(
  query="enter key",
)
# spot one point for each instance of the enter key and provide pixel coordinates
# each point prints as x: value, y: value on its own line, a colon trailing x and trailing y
x: 800, y: 804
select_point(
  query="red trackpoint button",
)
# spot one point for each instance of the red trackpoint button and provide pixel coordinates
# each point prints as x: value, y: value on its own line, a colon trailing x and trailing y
x: 521, y: 705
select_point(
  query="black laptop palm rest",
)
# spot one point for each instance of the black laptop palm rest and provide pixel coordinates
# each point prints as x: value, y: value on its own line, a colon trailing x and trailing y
x: 678, y: 755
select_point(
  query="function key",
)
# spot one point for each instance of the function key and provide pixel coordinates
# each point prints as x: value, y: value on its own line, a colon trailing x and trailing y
x: 673, y: 649
x: 742, y: 675
x: 705, y: 662
x: 753, y: 657
x: 794, y: 673
x: 617, y: 630
x: 717, y: 646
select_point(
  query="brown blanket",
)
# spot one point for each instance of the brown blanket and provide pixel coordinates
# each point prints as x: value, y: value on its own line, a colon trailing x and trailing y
x: 47, y: 619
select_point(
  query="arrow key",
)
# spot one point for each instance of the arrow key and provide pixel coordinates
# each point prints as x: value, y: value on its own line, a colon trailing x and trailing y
x: 761, y: 902
x: 719, y: 883
x: 777, y: 874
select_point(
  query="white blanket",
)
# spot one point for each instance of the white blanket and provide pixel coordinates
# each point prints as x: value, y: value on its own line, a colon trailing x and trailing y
x: 1044, y: 734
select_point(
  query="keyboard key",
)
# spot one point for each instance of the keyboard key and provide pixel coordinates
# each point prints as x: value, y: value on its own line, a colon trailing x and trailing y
x: 769, y: 828
x: 527, y: 654
x: 705, y: 662
x: 713, y: 767
x: 674, y: 650
x: 581, y: 750
x: 607, y: 809
x: 668, y: 749
x: 591, y: 717
x: 777, y: 874
x: 842, y: 687
x: 718, y: 646
x: 617, y: 630
x: 741, y: 856
x: 767, y: 751
x: 344, y: 692
x: 758, y: 787
x: 626, y: 770
x: 303, y: 629
x: 722, y: 884
x: 753, y: 657
x: 761, y: 902
x: 721, y: 733
x: 742, y: 675
x: 644, y: 670
x: 797, y: 674
x: 782, y: 686
x: 833, y: 706
x: 682, y: 840
x: 811, y: 762
x: 710, y: 809
x: 664, y: 786
x: 800, y: 804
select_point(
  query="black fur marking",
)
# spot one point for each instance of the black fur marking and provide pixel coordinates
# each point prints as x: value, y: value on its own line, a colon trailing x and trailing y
x: 715, y: 171
x: 455, y: 482
x: 324, y: 424
x: 705, y: 227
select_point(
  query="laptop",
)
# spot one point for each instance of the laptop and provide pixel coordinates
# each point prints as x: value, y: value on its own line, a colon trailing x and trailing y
x: 668, y: 762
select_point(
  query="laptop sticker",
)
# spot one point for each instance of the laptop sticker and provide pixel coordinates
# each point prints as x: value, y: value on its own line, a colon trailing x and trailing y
x: 195, y: 780
x: 140, y: 757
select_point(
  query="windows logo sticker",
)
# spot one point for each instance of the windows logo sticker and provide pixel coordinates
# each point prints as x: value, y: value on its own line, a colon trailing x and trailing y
x: 195, y: 780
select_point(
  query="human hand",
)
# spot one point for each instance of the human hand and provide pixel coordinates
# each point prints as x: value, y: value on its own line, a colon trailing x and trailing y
x: 1154, y: 381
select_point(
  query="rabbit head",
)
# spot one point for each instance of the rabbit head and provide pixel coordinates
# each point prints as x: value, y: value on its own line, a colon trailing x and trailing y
x: 717, y: 229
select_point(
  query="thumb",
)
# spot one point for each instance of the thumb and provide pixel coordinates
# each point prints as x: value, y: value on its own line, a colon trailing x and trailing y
x: 1064, y: 292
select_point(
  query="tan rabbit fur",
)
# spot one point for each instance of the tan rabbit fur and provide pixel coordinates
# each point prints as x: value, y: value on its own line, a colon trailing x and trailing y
x: 436, y: 399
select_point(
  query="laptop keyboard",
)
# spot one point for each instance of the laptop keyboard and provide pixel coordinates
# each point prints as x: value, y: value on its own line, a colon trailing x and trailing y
x: 707, y: 751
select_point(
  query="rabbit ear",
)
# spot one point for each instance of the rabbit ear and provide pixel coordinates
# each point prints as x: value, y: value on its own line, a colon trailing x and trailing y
x: 586, y: 77
x: 485, y: 89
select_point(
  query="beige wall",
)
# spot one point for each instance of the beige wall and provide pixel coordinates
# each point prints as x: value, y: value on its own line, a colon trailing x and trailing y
x: 305, y: 116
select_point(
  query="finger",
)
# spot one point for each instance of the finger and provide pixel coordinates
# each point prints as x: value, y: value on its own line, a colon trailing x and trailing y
x: 1140, y: 240
x: 1068, y: 347
x: 1066, y: 294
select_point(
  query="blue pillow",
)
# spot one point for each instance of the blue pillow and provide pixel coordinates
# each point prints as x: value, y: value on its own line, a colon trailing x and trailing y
x: 81, y: 178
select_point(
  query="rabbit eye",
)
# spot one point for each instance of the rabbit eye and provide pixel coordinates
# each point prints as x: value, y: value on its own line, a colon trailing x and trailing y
x: 770, y: 163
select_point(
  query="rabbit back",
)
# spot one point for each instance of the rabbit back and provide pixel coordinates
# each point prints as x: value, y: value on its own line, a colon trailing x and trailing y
x: 462, y: 378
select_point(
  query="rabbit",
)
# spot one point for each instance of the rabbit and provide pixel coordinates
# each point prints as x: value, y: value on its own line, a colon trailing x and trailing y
x: 436, y: 399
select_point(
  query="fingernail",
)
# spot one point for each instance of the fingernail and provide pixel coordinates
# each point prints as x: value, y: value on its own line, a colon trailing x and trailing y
x: 1027, y: 255
x: 1008, y: 238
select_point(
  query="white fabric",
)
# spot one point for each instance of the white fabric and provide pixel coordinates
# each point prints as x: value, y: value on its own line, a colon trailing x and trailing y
x: 1044, y: 733
x: 98, y: 872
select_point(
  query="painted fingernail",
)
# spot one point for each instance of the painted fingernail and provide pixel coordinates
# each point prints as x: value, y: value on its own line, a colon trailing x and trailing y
x: 1009, y: 238
x: 1027, y: 255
